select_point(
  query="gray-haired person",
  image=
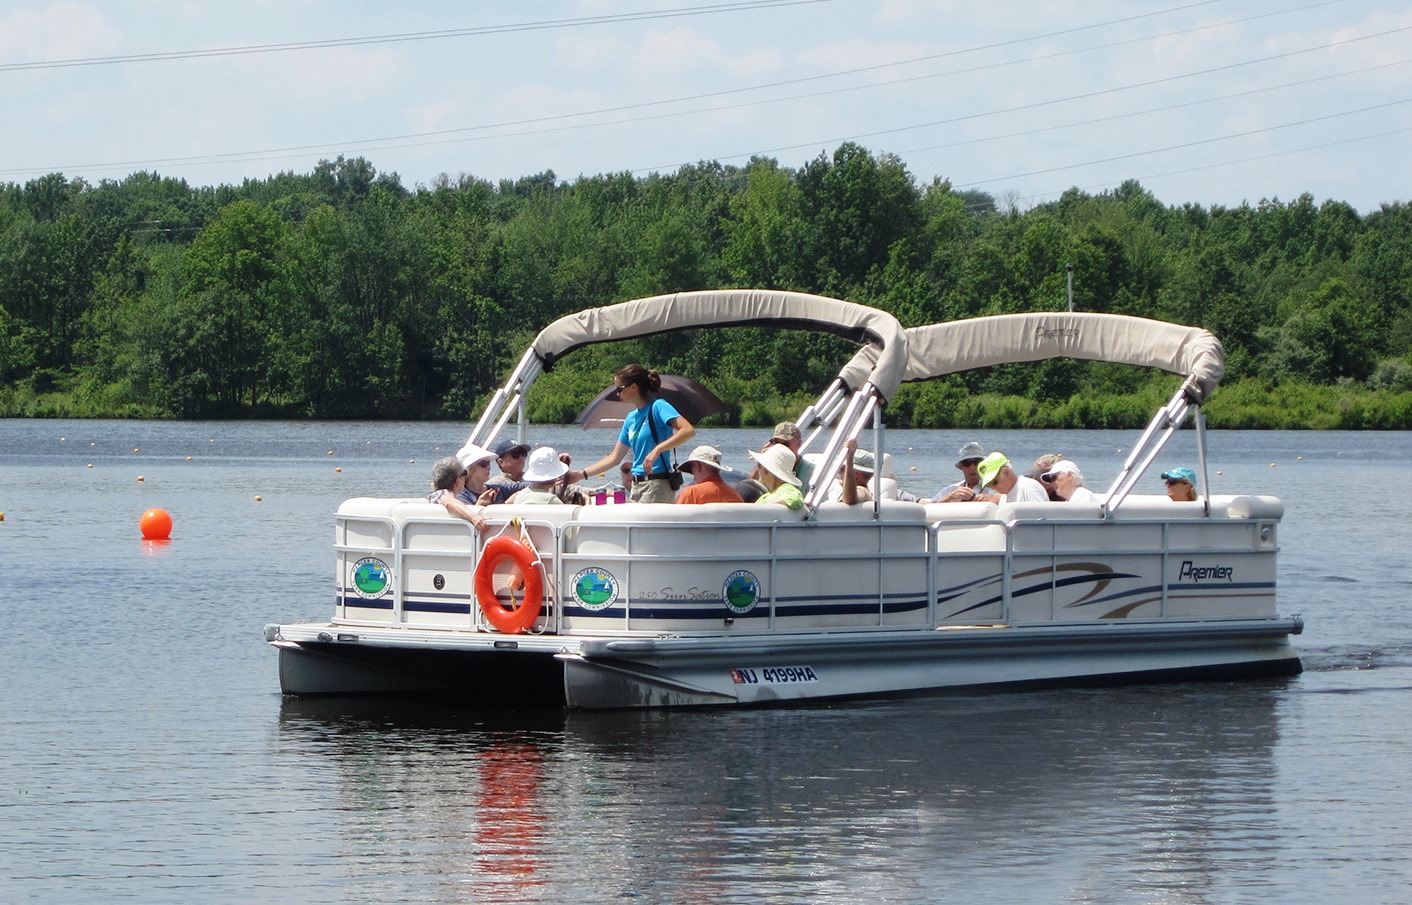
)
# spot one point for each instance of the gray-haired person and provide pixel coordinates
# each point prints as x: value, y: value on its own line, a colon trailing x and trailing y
x: 448, y: 478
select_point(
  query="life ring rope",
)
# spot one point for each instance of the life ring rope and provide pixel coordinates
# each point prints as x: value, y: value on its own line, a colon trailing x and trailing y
x: 528, y: 566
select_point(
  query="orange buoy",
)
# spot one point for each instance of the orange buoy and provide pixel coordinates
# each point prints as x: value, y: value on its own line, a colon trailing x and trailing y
x: 156, y: 524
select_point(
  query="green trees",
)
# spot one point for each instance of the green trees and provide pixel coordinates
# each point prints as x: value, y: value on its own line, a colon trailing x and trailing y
x: 343, y: 294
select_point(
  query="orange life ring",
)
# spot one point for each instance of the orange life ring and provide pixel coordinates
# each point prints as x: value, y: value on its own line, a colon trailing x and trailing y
x: 517, y: 620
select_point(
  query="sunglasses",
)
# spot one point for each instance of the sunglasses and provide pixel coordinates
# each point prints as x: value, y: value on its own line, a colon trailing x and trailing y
x: 969, y: 463
x: 1173, y: 482
x: 517, y: 454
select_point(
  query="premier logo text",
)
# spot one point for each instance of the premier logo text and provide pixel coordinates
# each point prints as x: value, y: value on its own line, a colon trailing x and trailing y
x: 1196, y: 573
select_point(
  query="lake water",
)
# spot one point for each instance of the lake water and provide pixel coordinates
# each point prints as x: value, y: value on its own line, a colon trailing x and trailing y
x: 148, y: 756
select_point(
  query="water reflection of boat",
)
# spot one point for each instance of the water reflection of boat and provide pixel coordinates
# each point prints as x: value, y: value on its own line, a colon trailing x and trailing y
x: 648, y: 606
x: 1155, y: 786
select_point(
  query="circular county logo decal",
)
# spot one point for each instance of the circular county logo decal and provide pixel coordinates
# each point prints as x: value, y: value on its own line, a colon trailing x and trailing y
x: 596, y: 588
x: 370, y: 578
x: 741, y: 591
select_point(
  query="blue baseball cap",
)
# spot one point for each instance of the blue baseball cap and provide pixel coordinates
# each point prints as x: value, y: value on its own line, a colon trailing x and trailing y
x: 1180, y: 474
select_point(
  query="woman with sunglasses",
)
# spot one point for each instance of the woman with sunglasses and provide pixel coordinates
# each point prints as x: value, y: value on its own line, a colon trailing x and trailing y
x: 1181, y: 484
x: 652, y: 429
x: 1067, y: 482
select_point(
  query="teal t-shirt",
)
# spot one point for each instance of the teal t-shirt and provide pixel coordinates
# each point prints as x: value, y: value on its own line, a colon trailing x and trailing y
x: 637, y: 433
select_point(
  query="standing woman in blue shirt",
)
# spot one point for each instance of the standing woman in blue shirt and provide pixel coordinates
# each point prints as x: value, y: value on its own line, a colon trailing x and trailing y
x: 651, y: 429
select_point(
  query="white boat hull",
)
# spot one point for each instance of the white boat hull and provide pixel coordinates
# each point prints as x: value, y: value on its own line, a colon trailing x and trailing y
x: 625, y: 673
x: 645, y: 605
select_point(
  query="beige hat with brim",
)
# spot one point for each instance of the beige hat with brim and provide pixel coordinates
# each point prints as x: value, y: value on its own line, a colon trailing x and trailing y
x: 707, y: 455
x: 778, y: 461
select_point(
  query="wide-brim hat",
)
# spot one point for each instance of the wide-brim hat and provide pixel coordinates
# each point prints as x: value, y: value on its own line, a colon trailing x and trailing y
x: 972, y: 450
x: 1180, y: 474
x: 864, y: 461
x: 779, y: 461
x: 470, y: 454
x: 706, y: 455
x: 990, y: 467
x: 544, y: 466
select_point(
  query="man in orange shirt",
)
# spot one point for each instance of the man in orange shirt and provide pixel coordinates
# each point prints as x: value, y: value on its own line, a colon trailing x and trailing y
x: 704, y: 465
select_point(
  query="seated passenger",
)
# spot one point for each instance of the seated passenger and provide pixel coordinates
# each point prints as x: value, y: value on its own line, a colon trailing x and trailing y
x: 448, y: 476
x: 1181, y: 484
x: 787, y: 433
x: 541, y: 474
x: 857, y: 470
x: 1000, y: 484
x: 965, y: 489
x: 776, y: 472
x: 477, y: 489
x: 1066, y: 481
x: 707, y: 486
x: 1042, y: 465
x: 510, y: 455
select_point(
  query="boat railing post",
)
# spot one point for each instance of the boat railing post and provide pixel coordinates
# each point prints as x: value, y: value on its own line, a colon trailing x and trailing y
x: 829, y: 460
x: 1162, y: 428
x: 860, y: 408
x: 877, y: 461
x: 1199, y: 419
x: 524, y: 374
x: 820, y: 406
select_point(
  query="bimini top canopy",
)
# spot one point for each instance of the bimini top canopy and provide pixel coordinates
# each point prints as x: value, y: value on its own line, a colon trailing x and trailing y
x: 939, y: 349
x: 736, y: 307
x: 877, y: 330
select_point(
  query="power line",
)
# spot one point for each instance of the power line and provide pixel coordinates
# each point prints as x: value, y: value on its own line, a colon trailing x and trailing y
x: 440, y: 136
x: 1089, y: 95
x: 1226, y: 163
x: 747, y: 6
x: 1190, y: 144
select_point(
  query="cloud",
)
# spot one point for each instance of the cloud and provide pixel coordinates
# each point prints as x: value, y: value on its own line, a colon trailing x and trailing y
x: 56, y: 31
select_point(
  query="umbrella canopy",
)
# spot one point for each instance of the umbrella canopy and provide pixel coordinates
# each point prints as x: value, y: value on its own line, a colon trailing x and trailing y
x: 690, y: 398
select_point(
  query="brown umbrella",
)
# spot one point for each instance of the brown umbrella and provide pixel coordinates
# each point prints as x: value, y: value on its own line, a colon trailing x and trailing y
x: 690, y: 398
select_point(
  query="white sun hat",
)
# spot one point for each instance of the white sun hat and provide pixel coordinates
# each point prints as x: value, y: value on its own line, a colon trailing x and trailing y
x: 544, y: 466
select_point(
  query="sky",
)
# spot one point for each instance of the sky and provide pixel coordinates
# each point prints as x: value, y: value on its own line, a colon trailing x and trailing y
x: 1208, y: 102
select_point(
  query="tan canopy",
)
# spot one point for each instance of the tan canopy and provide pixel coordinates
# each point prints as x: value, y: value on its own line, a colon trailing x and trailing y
x: 938, y: 349
x: 724, y: 307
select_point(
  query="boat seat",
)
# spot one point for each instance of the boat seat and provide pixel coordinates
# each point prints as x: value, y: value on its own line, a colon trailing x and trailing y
x: 959, y: 512
x: 654, y: 513
x: 890, y: 511
x: 1049, y: 512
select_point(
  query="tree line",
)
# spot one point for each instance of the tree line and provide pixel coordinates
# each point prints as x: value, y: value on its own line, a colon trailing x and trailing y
x: 342, y: 293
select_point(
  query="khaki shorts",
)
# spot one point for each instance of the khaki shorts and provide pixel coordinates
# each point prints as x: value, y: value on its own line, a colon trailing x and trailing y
x: 657, y: 490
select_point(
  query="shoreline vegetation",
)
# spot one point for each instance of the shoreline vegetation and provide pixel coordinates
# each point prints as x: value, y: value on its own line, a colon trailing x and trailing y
x: 342, y: 294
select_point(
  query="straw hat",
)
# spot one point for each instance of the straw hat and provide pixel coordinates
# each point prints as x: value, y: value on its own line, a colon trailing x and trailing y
x: 778, y: 461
